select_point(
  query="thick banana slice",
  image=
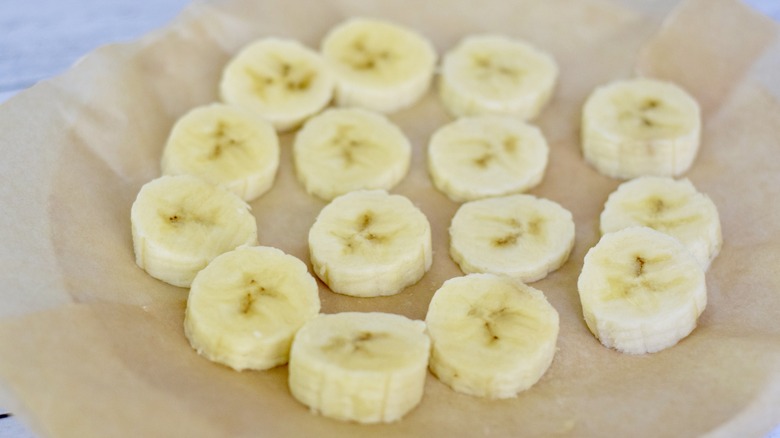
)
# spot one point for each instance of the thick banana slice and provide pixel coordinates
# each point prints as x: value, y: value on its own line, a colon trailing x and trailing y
x: 491, y: 336
x: 224, y: 145
x: 282, y: 80
x: 669, y: 206
x: 521, y: 236
x: 493, y: 74
x: 640, y: 127
x: 369, y: 243
x: 364, y: 367
x: 180, y: 223
x: 478, y: 157
x: 641, y: 290
x: 378, y: 65
x: 245, y: 307
x: 342, y: 150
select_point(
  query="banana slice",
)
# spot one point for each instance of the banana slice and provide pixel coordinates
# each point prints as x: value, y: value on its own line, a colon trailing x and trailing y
x: 378, y: 65
x: 640, y: 127
x: 364, y: 367
x: 493, y: 74
x: 245, y: 307
x: 491, y: 336
x: 478, y: 157
x: 342, y: 150
x: 672, y: 207
x: 369, y: 243
x: 641, y: 290
x: 282, y: 80
x: 521, y: 236
x: 180, y: 223
x: 224, y: 145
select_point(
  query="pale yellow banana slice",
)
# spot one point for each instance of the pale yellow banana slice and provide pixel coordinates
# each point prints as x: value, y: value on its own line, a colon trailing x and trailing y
x: 641, y: 290
x: 363, y: 367
x: 521, y: 236
x: 282, y: 80
x: 673, y: 207
x: 369, y: 243
x: 491, y: 336
x: 342, y: 150
x: 482, y: 156
x: 640, y: 127
x: 224, y: 145
x: 378, y: 65
x: 244, y: 308
x: 180, y: 223
x: 494, y: 74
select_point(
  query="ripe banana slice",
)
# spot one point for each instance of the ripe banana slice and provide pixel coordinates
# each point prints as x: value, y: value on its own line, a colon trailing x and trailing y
x: 369, y: 243
x: 641, y: 290
x: 224, y: 145
x: 521, y: 236
x: 180, y: 223
x: 482, y: 156
x: 672, y: 207
x: 640, y: 127
x: 282, y: 80
x: 493, y: 74
x: 378, y: 65
x: 491, y: 336
x: 342, y: 150
x: 245, y: 307
x: 364, y: 367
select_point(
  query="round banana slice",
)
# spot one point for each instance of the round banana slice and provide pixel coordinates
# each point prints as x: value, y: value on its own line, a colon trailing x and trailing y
x: 521, y: 236
x: 342, y: 150
x: 245, y: 307
x: 180, y: 223
x: 282, y: 80
x: 672, y: 207
x: 491, y: 336
x: 493, y: 74
x: 369, y: 243
x: 482, y: 156
x: 640, y: 127
x: 224, y: 145
x: 363, y: 367
x: 641, y: 290
x: 378, y: 65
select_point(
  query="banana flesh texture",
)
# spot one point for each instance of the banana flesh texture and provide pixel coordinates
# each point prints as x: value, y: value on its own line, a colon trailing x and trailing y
x: 365, y: 367
x: 641, y: 290
x: 491, y: 336
x: 640, y: 127
x: 244, y: 308
x: 483, y: 156
x: 342, y: 150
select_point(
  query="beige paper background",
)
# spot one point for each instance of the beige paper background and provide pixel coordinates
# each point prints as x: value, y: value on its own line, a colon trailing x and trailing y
x: 92, y: 346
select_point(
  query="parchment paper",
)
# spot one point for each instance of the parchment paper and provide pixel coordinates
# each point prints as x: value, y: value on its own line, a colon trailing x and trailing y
x: 92, y: 346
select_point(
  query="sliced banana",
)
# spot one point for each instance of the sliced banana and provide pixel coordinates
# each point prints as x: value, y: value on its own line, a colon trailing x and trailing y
x: 641, y: 290
x: 224, y: 145
x: 378, y: 65
x: 494, y: 74
x: 342, y: 150
x: 369, y: 243
x: 640, y: 127
x: 244, y: 308
x: 364, y: 367
x: 672, y: 207
x: 482, y: 156
x: 180, y: 223
x: 491, y: 336
x: 521, y: 236
x: 282, y: 80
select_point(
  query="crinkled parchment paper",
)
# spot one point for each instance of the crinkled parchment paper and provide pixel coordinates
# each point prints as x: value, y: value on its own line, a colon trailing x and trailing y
x: 92, y: 346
